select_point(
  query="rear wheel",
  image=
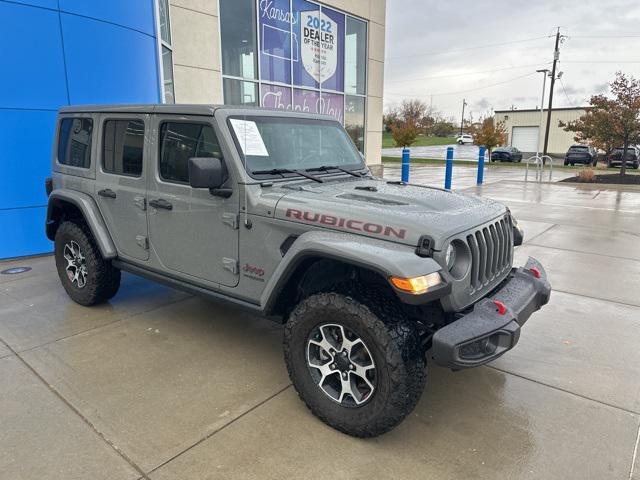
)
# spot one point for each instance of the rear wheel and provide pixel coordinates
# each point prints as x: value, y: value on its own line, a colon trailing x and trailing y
x: 355, y: 361
x: 87, y: 278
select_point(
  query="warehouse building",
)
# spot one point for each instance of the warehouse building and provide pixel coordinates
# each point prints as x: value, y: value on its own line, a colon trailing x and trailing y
x: 524, y: 129
x: 321, y: 57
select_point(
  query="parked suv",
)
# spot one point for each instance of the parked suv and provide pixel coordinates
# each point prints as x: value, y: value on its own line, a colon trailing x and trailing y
x: 506, y: 154
x: 464, y: 139
x: 276, y: 212
x: 615, y: 157
x: 583, y: 154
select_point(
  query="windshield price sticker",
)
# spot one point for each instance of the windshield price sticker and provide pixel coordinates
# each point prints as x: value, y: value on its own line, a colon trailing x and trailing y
x: 249, y: 138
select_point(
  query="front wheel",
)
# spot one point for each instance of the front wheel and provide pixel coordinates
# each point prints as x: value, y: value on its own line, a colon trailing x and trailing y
x: 355, y: 361
x: 87, y: 277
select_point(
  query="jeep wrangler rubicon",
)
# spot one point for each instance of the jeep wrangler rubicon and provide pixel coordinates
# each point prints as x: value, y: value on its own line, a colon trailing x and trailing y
x: 276, y: 212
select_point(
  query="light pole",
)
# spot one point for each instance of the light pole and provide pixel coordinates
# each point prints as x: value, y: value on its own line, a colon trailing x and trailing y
x: 464, y: 104
x: 545, y: 72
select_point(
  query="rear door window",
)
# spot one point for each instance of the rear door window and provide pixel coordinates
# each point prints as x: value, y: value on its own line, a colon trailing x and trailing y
x: 122, y: 147
x: 74, y: 142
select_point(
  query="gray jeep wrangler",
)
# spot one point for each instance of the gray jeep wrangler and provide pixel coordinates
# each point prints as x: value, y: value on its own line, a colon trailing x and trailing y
x: 276, y: 212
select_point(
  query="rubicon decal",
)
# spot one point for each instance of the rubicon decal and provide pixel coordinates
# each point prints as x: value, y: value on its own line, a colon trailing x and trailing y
x: 350, y: 224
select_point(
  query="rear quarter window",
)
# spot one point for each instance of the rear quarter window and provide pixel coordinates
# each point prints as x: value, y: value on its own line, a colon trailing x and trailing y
x: 74, y: 142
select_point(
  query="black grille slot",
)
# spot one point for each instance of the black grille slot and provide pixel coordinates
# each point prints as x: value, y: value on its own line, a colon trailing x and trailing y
x: 491, y: 252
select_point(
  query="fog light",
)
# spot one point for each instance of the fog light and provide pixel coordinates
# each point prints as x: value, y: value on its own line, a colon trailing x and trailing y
x: 480, y: 348
x: 417, y: 285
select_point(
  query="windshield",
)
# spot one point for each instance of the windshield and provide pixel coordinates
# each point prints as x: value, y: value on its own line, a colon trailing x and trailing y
x: 275, y: 143
x: 579, y: 149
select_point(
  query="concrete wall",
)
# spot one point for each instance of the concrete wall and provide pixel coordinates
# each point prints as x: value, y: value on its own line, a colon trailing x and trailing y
x: 559, y: 140
x: 197, y: 66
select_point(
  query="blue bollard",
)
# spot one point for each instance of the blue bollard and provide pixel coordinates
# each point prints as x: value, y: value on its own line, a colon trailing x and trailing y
x: 449, y: 169
x: 481, y: 166
x: 406, y: 160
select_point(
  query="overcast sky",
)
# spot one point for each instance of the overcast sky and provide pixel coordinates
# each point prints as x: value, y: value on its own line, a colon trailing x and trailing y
x: 426, y: 39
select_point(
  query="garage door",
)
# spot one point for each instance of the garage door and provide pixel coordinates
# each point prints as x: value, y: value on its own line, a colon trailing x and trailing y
x: 525, y: 138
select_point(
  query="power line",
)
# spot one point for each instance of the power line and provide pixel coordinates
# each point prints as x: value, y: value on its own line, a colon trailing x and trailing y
x: 565, y: 93
x: 472, y: 89
x: 468, y: 73
x: 603, y: 36
x: 600, y: 61
x: 444, y: 52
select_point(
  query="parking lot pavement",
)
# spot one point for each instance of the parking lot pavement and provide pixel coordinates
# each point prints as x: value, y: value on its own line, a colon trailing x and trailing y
x: 158, y: 384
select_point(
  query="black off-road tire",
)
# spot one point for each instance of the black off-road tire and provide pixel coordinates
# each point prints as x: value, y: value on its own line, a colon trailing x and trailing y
x: 395, y: 346
x: 102, y: 278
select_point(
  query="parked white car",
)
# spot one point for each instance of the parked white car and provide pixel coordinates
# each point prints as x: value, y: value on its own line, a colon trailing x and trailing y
x: 464, y: 139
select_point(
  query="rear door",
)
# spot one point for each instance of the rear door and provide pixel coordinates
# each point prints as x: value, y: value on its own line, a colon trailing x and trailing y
x: 192, y: 232
x: 121, y: 181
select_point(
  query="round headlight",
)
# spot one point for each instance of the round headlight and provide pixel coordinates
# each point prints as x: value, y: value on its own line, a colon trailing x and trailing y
x: 450, y: 256
x: 458, y: 258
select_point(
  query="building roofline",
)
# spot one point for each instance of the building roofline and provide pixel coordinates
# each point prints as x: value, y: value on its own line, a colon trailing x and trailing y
x: 544, y: 110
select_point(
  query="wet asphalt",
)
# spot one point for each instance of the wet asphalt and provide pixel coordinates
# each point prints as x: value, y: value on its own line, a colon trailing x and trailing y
x: 162, y: 385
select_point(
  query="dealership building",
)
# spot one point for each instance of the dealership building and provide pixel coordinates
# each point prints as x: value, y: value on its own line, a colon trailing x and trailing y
x: 319, y: 57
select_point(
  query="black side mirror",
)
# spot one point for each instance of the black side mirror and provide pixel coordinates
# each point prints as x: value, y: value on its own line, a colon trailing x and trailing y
x: 206, y: 172
x: 209, y: 172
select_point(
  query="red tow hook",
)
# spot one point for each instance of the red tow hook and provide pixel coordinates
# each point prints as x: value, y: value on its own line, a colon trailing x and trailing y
x: 502, y: 308
x: 535, y: 272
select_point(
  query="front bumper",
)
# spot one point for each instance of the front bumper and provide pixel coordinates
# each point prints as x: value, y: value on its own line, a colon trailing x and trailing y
x: 490, y: 330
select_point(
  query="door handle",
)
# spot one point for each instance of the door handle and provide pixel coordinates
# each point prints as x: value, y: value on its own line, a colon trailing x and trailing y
x: 107, y: 192
x: 161, y: 203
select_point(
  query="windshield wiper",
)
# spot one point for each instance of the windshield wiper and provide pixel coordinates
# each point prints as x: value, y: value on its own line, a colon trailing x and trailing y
x: 280, y: 171
x: 325, y: 168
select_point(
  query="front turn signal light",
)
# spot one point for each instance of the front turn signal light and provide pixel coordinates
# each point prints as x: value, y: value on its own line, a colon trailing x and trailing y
x: 417, y: 285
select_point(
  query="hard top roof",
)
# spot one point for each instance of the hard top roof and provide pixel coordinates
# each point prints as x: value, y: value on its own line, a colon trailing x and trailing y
x: 184, y: 109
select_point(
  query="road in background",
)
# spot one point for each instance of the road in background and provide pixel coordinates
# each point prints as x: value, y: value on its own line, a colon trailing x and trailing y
x: 461, y: 152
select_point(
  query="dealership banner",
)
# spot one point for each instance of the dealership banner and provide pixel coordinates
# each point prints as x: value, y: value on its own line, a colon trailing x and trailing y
x: 302, y: 45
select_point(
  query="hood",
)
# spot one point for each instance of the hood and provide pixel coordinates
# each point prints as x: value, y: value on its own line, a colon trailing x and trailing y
x: 375, y: 208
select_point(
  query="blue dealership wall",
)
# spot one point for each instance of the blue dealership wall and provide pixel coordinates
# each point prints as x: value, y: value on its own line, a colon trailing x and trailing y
x: 56, y: 53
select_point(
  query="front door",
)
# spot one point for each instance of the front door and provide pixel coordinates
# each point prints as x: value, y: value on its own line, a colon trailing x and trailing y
x: 191, y: 231
x: 121, y: 182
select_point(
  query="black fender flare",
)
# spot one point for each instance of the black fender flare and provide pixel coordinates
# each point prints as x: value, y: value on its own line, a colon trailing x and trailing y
x: 383, y: 257
x: 91, y: 214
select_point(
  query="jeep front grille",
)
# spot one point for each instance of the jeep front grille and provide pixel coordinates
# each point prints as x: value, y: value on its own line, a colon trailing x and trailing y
x: 491, y: 252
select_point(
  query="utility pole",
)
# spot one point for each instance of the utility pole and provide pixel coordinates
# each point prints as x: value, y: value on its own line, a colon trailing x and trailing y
x: 556, y: 57
x: 545, y: 73
x: 464, y: 104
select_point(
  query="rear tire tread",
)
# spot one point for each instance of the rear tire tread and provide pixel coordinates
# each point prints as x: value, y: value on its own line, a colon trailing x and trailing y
x: 103, y: 279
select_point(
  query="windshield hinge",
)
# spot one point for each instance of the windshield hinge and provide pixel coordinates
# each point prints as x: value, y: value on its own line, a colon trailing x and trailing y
x: 231, y: 219
x: 230, y: 264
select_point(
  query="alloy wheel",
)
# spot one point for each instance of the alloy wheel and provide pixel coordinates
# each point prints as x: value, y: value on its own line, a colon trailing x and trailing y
x: 76, y: 267
x: 341, y: 364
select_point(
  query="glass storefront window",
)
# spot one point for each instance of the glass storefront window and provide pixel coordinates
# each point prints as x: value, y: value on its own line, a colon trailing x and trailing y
x: 354, y: 119
x: 167, y: 75
x: 165, y: 27
x: 332, y: 104
x: 276, y: 96
x: 306, y: 101
x: 275, y: 41
x: 304, y: 56
x: 331, y: 40
x: 355, y: 46
x: 238, y: 38
x: 306, y: 70
x: 238, y: 92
